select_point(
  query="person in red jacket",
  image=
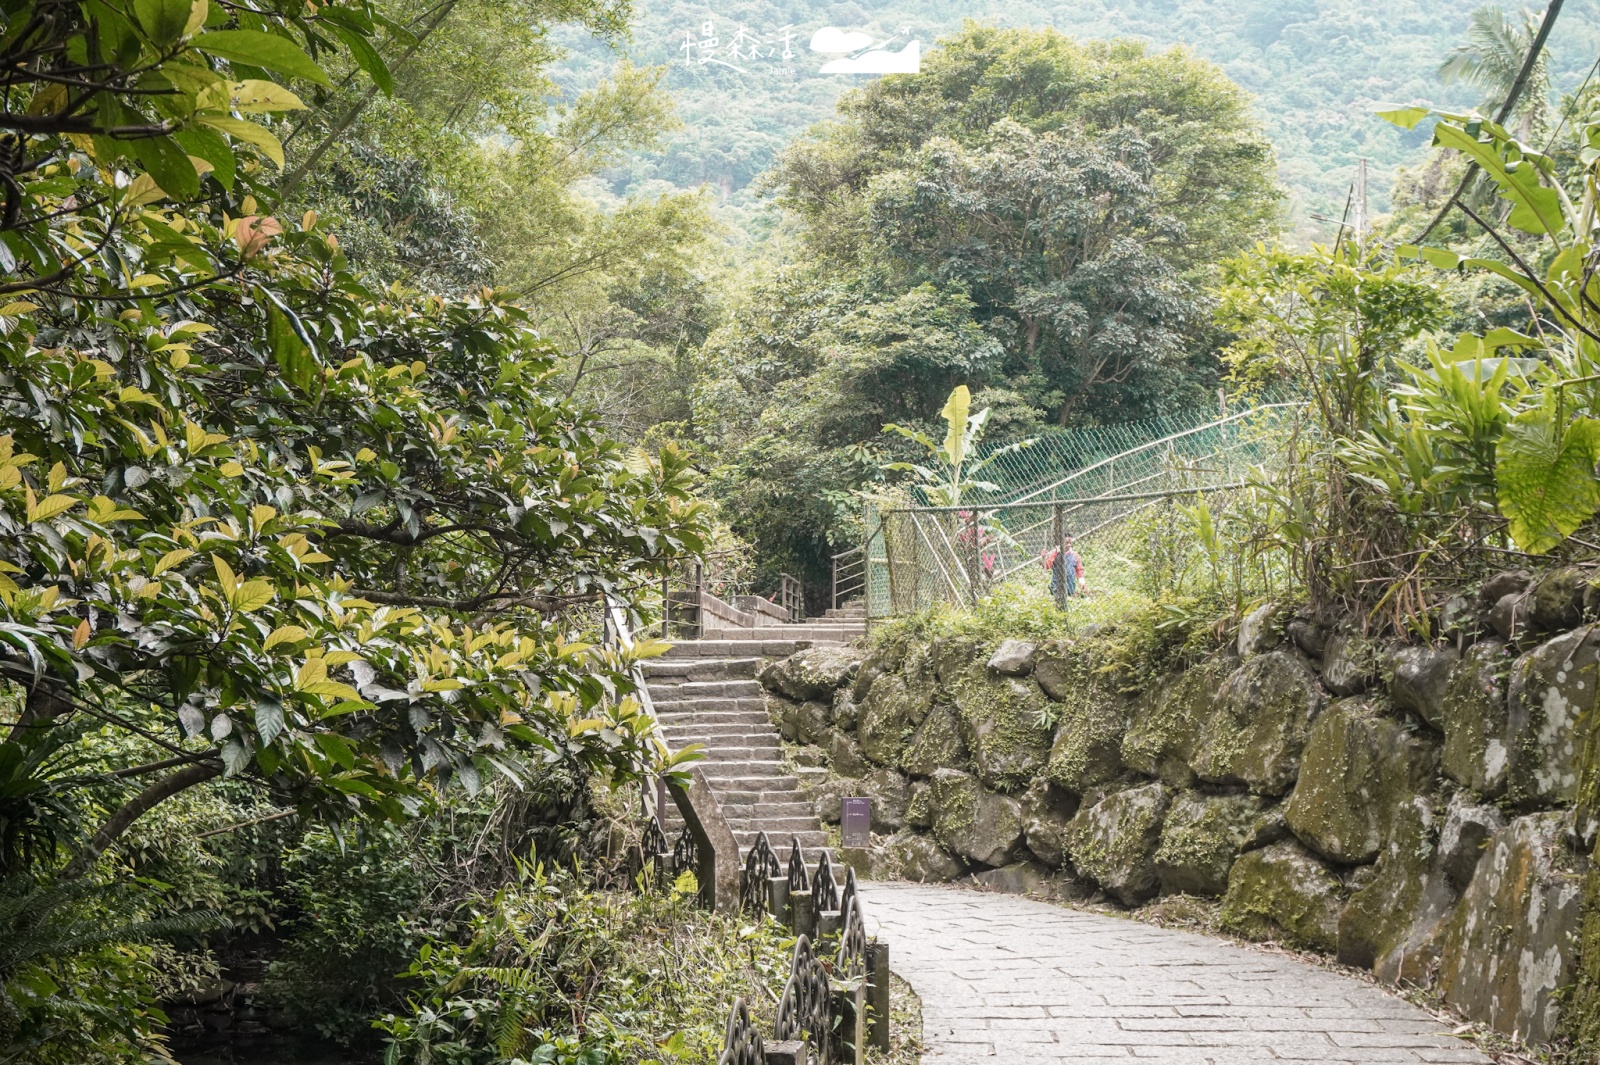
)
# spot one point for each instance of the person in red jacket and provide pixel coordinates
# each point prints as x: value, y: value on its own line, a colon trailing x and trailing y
x: 1066, y: 571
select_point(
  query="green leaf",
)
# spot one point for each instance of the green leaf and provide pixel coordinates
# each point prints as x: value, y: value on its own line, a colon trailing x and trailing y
x: 211, y: 146
x: 163, y: 20
x: 249, y: 132
x: 269, y: 721
x: 266, y: 50
x: 1546, y: 476
x: 367, y: 58
x: 292, y: 356
x: 252, y: 595
x: 1535, y: 208
x: 955, y: 418
x: 1404, y: 117
x: 167, y: 162
x: 1440, y: 257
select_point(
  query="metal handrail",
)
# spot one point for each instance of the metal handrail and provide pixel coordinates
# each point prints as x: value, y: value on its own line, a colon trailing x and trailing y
x: 849, y: 578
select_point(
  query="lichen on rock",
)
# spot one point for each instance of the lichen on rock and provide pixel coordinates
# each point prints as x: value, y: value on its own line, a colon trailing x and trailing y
x: 1392, y: 925
x: 1549, y: 708
x: 1259, y: 724
x: 974, y: 823
x: 1284, y: 892
x: 919, y: 857
x: 1359, y: 768
x: 1512, y: 943
x: 1473, y: 718
x: 1200, y: 839
x: 1113, y: 841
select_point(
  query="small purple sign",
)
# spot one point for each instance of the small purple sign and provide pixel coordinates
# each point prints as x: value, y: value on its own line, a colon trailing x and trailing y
x: 856, y: 824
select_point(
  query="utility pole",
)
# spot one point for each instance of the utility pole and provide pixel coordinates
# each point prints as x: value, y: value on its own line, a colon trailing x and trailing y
x: 1361, y: 204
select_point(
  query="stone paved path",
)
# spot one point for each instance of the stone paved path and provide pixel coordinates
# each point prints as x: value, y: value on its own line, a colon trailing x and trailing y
x: 1015, y: 980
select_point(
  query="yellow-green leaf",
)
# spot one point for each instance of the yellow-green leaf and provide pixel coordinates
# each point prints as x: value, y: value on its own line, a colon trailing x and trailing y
x: 225, y: 576
x: 49, y: 507
x: 285, y: 634
x: 170, y: 559
x: 252, y: 595
x: 248, y: 132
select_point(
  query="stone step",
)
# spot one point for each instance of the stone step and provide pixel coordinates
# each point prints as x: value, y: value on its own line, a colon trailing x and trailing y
x: 670, y: 708
x: 716, y: 741
x: 721, y: 752
x: 722, y: 712
x: 671, y: 691
x: 840, y: 631
x: 757, y: 796
x: 722, y: 647
x: 666, y: 670
x: 746, y: 773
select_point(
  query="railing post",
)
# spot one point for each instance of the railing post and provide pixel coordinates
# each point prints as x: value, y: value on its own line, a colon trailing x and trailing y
x: 878, y: 994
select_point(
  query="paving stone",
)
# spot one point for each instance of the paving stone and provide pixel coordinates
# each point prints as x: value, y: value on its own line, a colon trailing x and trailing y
x: 1003, y: 977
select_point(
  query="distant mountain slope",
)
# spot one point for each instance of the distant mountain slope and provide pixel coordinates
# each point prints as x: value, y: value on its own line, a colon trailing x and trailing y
x: 1318, y: 67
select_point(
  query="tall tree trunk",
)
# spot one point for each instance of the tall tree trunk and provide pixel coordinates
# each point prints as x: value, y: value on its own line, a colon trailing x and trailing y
x: 135, y: 808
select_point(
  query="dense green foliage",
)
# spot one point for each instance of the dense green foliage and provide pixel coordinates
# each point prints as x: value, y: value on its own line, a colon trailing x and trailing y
x: 1030, y: 217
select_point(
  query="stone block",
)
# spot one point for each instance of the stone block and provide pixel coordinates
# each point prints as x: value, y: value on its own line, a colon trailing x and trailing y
x: 938, y: 743
x: 1509, y: 617
x: 1200, y: 838
x: 1507, y: 582
x: 1310, y: 636
x: 811, y: 674
x: 889, y: 795
x: 844, y: 756
x: 1260, y: 630
x: 1165, y: 725
x: 1420, y: 676
x: 1467, y: 830
x: 1014, y: 658
x: 1511, y: 946
x: 1391, y: 924
x: 973, y: 823
x: 891, y: 711
x: 1031, y: 879
x: 1046, y: 812
x: 1556, y: 600
x: 1259, y: 724
x: 1113, y: 841
x: 1359, y: 768
x: 1284, y: 893
x: 1473, y: 718
x: 1548, y: 709
x: 920, y: 858
x: 1349, y: 664
x: 1087, y: 749
x: 1004, y: 721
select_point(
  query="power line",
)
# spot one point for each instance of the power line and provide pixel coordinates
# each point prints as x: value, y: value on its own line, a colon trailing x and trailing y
x: 1517, y: 86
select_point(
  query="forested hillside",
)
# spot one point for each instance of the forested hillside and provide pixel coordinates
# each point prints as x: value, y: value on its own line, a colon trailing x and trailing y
x: 1317, y: 67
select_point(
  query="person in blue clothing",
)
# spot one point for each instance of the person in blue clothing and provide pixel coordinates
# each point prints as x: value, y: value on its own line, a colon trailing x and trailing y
x: 1066, y: 571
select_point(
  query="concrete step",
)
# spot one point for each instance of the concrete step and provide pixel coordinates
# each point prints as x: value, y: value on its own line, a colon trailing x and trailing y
x: 713, y: 739
x: 717, y: 712
x: 722, y: 647
x: 833, y: 631
x: 667, y: 670
x: 757, y: 796
x: 673, y: 690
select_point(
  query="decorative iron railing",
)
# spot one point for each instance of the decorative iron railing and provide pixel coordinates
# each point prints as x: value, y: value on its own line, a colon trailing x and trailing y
x: 835, y: 961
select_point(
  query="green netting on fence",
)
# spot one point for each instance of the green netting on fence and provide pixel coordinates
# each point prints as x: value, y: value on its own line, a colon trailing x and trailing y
x: 1120, y: 509
x: 1055, y: 453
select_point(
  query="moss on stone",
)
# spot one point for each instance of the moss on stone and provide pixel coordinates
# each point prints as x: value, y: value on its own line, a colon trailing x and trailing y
x: 1259, y: 725
x: 1005, y: 720
x: 1282, y: 892
x: 1114, y: 840
x: 892, y: 710
x: 1200, y: 839
x: 937, y: 743
x: 1165, y: 723
x: 1359, y: 769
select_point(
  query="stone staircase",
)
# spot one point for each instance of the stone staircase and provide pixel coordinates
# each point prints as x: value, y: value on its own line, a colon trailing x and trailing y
x: 705, y: 692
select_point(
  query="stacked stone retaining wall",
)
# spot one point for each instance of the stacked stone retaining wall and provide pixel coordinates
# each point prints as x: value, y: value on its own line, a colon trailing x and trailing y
x: 1423, y: 811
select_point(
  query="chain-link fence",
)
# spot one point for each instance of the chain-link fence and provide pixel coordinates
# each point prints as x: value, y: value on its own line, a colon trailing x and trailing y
x: 1138, y: 520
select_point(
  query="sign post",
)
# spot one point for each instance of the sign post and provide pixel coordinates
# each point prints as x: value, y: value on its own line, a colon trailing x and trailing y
x: 856, y: 824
